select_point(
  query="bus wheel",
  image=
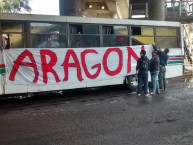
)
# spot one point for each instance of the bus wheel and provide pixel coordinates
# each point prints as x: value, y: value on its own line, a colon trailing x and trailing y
x: 132, y: 82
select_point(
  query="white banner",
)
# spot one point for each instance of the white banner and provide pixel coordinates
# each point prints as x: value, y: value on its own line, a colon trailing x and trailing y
x: 59, y: 66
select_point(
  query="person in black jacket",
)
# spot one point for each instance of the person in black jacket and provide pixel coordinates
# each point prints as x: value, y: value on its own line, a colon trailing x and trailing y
x: 163, y: 56
x: 142, y: 69
x: 154, y: 71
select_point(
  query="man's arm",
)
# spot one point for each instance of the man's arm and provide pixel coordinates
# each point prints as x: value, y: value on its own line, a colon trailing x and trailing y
x: 155, y: 48
x: 137, y: 67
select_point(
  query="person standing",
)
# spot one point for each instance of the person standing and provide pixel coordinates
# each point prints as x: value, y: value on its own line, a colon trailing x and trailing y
x: 154, y: 71
x: 163, y: 56
x: 142, y: 69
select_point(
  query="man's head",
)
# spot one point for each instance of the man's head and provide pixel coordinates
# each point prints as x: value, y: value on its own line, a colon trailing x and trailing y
x: 143, y: 53
x: 166, y: 50
x: 154, y: 53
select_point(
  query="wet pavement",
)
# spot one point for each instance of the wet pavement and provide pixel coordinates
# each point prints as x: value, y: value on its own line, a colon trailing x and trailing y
x: 101, y: 116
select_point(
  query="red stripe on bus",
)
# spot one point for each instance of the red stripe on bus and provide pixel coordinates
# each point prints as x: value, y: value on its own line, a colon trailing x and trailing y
x: 2, y: 65
x: 175, y: 58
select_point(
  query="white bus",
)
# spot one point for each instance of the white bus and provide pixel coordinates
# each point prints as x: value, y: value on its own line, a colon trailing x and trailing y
x: 37, y: 38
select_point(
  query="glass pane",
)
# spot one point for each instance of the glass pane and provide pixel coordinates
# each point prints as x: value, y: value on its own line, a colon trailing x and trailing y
x: 75, y: 29
x: 16, y: 40
x: 84, y: 29
x: 140, y: 40
x: 90, y: 29
x: 118, y: 30
x: 48, y: 41
x: 166, y: 31
x: 109, y: 41
x: 167, y: 42
x: 136, y: 30
x: 147, y: 30
x: 11, y: 27
x: 48, y: 28
x: 78, y: 41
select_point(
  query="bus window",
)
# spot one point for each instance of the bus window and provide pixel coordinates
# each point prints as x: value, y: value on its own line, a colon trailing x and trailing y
x: 108, y: 30
x: 40, y: 28
x: 136, y: 30
x: 141, y: 40
x: 117, y: 30
x: 166, y: 31
x: 12, y: 41
x: 142, y: 35
x: 115, y: 36
x: 145, y: 30
x: 15, y: 27
x: 113, y: 40
x: 78, y: 41
x: 14, y: 32
x: 90, y: 29
x: 84, y: 35
x: 166, y: 37
x: 167, y: 42
x: 16, y: 41
x: 48, y: 35
x: 48, y: 41
x: 75, y: 29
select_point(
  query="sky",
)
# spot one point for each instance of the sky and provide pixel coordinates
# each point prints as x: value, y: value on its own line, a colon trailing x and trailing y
x: 48, y: 7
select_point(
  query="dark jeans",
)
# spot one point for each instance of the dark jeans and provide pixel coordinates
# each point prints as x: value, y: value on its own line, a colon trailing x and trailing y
x: 154, y: 79
x: 142, y: 81
x: 162, y: 77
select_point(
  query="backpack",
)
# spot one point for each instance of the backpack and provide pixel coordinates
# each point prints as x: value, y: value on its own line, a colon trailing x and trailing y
x: 144, y: 65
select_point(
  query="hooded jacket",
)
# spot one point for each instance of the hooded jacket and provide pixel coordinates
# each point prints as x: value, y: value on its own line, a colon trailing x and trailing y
x: 139, y: 65
x: 154, y: 64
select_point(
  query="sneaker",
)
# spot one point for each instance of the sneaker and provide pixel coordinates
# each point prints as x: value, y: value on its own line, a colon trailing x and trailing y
x: 138, y: 94
x: 152, y: 93
x: 147, y: 95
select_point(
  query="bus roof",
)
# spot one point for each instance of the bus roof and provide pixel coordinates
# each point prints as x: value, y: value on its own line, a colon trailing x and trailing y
x: 73, y: 19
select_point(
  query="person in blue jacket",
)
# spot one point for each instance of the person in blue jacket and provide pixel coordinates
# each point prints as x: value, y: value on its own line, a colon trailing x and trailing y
x: 163, y: 56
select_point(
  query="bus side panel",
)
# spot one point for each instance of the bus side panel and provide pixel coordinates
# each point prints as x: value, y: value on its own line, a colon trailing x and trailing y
x: 174, y: 71
x: 15, y: 89
x: 41, y: 88
x: 106, y: 82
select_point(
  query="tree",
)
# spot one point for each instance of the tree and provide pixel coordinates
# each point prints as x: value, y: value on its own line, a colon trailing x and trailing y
x: 14, y: 6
